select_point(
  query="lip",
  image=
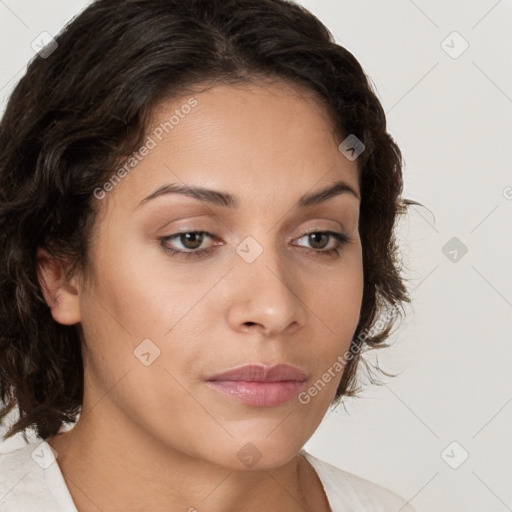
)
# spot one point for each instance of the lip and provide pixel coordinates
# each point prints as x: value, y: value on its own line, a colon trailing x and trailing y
x: 262, y: 373
x: 259, y: 385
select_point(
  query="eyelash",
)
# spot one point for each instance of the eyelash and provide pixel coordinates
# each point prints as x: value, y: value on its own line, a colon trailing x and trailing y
x: 340, y: 237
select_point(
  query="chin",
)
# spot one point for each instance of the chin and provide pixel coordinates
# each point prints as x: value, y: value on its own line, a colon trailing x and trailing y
x: 256, y: 453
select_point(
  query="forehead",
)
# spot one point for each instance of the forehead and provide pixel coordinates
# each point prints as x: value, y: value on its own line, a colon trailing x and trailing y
x: 258, y: 139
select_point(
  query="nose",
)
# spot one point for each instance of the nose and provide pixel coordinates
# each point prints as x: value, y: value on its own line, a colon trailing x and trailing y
x: 266, y: 297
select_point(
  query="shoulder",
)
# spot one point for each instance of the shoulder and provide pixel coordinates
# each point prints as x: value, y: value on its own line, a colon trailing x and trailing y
x: 22, y: 479
x: 350, y: 492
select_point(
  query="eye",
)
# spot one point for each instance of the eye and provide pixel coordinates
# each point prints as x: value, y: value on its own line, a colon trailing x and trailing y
x: 320, y: 239
x: 192, y: 241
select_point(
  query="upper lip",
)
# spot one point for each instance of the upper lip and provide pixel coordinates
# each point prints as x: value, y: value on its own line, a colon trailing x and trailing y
x: 262, y: 373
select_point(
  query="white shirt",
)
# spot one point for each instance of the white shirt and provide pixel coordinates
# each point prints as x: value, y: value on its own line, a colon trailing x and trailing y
x: 31, y: 481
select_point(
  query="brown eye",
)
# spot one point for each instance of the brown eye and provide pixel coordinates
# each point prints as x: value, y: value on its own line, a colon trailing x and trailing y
x: 191, y: 240
x: 319, y: 241
x: 187, y: 243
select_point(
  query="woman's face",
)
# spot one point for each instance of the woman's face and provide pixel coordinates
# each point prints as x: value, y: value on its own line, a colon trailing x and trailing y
x: 160, y: 325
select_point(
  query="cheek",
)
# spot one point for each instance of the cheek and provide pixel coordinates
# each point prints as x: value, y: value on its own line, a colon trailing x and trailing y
x: 337, y: 299
x: 335, y: 311
x: 141, y: 305
x: 142, y: 344
x: 140, y: 290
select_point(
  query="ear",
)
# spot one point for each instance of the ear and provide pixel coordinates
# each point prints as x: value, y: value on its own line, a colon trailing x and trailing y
x: 62, y: 298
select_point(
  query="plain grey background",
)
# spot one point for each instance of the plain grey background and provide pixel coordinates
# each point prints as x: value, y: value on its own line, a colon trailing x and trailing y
x: 438, y: 434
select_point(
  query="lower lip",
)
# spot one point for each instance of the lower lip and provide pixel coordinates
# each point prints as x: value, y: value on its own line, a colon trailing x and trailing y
x: 260, y: 394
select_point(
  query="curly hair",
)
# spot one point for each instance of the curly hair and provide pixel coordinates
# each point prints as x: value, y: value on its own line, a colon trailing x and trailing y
x: 84, y: 106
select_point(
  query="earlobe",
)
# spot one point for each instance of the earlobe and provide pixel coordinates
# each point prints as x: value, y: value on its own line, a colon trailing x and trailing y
x: 62, y: 298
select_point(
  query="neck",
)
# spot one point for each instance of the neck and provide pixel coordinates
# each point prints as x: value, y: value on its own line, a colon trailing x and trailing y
x: 124, y: 468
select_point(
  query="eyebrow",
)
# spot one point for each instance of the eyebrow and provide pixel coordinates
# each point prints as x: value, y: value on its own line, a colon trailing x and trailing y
x: 225, y: 199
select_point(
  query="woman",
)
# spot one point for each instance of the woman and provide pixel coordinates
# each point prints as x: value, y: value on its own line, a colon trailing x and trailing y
x: 198, y: 201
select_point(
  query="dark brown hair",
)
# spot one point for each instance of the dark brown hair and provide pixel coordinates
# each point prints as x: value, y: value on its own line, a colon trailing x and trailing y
x: 82, y: 108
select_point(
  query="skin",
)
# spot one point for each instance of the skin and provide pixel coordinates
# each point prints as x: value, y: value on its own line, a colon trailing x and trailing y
x: 157, y: 437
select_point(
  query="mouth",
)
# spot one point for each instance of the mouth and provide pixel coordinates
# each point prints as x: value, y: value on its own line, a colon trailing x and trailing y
x: 260, y: 386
